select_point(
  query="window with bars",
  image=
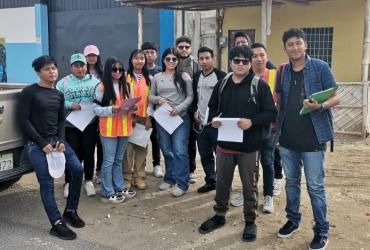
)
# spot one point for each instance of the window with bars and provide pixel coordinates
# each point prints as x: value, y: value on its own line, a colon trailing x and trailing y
x: 320, y: 43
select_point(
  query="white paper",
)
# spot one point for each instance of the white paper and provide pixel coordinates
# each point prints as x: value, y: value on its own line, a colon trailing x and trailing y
x: 140, y: 136
x: 229, y: 130
x: 129, y: 103
x: 81, y: 118
x: 163, y: 117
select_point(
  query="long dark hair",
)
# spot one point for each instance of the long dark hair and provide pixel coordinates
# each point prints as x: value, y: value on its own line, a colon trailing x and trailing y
x: 98, y: 68
x: 178, y: 80
x: 145, y: 71
x: 109, y: 96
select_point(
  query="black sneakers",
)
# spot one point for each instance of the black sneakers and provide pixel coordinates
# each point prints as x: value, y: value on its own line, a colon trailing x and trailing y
x: 206, y: 188
x: 250, y: 232
x: 319, y: 242
x: 287, y: 230
x: 72, y: 218
x: 60, y: 230
x: 211, y: 224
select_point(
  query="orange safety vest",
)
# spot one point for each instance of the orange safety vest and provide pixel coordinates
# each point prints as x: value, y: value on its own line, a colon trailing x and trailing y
x: 140, y: 89
x: 269, y: 77
x: 116, y: 125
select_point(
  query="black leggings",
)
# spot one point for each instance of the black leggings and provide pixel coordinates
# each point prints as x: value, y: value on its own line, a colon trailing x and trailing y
x: 83, y: 143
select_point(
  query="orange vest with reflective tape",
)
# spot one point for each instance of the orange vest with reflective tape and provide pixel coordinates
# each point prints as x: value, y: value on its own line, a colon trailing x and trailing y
x: 116, y: 125
x: 270, y: 78
x: 139, y: 89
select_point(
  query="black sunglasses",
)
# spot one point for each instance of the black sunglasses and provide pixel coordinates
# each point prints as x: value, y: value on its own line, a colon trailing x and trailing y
x: 120, y: 70
x: 181, y: 47
x: 238, y: 61
x: 171, y: 59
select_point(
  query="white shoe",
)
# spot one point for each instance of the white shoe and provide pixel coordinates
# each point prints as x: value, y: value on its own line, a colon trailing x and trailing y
x: 157, y: 171
x: 237, y: 201
x: 268, y: 204
x: 66, y: 190
x: 192, y: 178
x: 113, y: 199
x: 277, y: 186
x: 164, y: 186
x: 90, y: 189
x: 177, y: 192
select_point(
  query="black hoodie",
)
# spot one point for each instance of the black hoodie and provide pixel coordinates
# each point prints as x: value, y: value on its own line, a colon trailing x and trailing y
x: 236, y: 102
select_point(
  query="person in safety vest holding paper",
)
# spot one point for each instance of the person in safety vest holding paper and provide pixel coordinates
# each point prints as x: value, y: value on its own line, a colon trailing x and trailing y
x: 115, y: 125
x: 172, y: 90
x: 42, y: 119
x: 246, y: 100
x: 135, y: 158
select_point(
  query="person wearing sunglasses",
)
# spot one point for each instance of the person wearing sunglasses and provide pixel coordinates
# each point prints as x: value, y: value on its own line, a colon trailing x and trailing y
x: 233, y: 98
x: 175, y: 88
x: 78, y: 88
x: 203, y: 84
x: 115, y: 126
x: 189, y: 65
x: 151, y: 51
x: 139, y: 82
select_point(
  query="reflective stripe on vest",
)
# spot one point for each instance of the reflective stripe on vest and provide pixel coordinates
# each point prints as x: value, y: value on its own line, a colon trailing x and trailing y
x: 269, y: 77
x: 138, y: 89
x: 115, y: 125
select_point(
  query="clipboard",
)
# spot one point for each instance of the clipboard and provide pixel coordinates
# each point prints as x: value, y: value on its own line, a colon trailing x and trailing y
x: 320, y: 97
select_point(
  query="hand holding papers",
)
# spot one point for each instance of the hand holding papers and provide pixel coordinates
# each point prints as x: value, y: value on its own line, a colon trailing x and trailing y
x: 229, y: 130
x: 163, y: 117
x: 81, y: 118
x: 140, y: 136
x: 128, y: 104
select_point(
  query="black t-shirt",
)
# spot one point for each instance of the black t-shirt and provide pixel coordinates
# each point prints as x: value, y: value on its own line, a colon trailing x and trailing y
x: 297, y: 132
x: 41, y: 113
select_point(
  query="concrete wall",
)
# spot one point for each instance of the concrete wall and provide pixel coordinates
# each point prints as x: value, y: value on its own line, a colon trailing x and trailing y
x: 346, y: 16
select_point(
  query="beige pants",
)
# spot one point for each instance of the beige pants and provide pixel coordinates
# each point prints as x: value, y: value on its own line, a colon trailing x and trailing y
x: 134, y: 162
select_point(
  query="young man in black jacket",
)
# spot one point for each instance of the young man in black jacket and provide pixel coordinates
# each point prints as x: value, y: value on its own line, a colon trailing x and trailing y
x: 256, y: 109
x: 204, y: 82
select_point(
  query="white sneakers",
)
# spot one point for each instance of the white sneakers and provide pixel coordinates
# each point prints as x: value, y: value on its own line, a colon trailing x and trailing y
x: 165, y: 186
x: 177, y: 192
x: 157, y: 171
x: 277, y: 186
x: 238, y: 200
x: 192, y: 178
x: 115, y: 199
x: 268, y: 204
x: 90, y: 189
x: 66, y: 190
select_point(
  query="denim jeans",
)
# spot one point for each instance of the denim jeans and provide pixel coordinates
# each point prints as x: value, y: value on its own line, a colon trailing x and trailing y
x: 267, y: 162
x: 111, y: 169
x: 38, y: 160
x: 207, y: 143
x: 313, y: 164
x: 175, y: 152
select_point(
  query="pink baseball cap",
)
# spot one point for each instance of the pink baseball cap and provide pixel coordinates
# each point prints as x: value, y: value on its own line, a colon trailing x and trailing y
x: 91, y: 49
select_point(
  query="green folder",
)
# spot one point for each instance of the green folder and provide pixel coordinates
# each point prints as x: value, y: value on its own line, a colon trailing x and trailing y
x: 320, y: 97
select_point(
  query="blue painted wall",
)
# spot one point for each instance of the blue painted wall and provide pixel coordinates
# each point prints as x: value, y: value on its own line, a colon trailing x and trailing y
x: 167, y: 30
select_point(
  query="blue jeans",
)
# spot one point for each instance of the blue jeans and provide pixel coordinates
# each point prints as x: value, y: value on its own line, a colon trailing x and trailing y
x: 38, y: 160
x: 111, y: 169
x: 175, y: 151
x: 207, y: 143
x: 313, y: 164
x: 267, y: 162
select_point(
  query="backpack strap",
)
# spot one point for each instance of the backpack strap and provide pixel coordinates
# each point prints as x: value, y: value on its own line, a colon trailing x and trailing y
x: 221, y: 88
x: 254, y: 88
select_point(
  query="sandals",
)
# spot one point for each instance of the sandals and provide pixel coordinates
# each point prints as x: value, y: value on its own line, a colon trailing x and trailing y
x: 250, y: 232
x: 212, y: 224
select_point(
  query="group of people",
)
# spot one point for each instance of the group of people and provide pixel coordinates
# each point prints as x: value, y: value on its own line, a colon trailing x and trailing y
x: 266, y: 100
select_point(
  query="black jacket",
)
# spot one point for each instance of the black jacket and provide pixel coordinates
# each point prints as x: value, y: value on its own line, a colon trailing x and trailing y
x: 236, y: 102
x: 220, y: 75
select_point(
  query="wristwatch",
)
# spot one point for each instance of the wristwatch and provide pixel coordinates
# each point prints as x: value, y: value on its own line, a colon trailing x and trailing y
x: 323, y: 107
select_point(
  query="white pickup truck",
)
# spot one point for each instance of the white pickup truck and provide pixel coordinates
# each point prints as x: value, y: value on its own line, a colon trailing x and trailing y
x: 13, y: 161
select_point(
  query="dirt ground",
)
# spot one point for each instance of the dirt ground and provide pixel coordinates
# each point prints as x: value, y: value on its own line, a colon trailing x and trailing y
x: 155, y: 220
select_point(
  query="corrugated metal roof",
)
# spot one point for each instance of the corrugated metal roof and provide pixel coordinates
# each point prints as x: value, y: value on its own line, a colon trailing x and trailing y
x: 204, y: 4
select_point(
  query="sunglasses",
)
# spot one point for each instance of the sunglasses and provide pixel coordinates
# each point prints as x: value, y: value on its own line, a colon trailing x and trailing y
x: 171, y: 59
x: 181, y: 47
x: 238, y: 61
x: 114, y: 69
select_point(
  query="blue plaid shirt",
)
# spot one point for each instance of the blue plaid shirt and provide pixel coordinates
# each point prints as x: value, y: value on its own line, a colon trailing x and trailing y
x: 317, y: 77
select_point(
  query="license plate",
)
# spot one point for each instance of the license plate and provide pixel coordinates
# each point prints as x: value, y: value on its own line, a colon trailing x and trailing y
x: 6, y: 161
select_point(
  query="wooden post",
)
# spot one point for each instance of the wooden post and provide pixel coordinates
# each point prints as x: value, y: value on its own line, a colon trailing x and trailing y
x: 365, y: 70
x: 140, y: 17
x: 264, y: 22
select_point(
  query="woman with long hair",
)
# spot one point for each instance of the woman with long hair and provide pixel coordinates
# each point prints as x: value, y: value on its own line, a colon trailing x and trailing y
x: 138, y: 80
x: 175, y: 88
x: 115, y: 126
x: 95, y: 68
